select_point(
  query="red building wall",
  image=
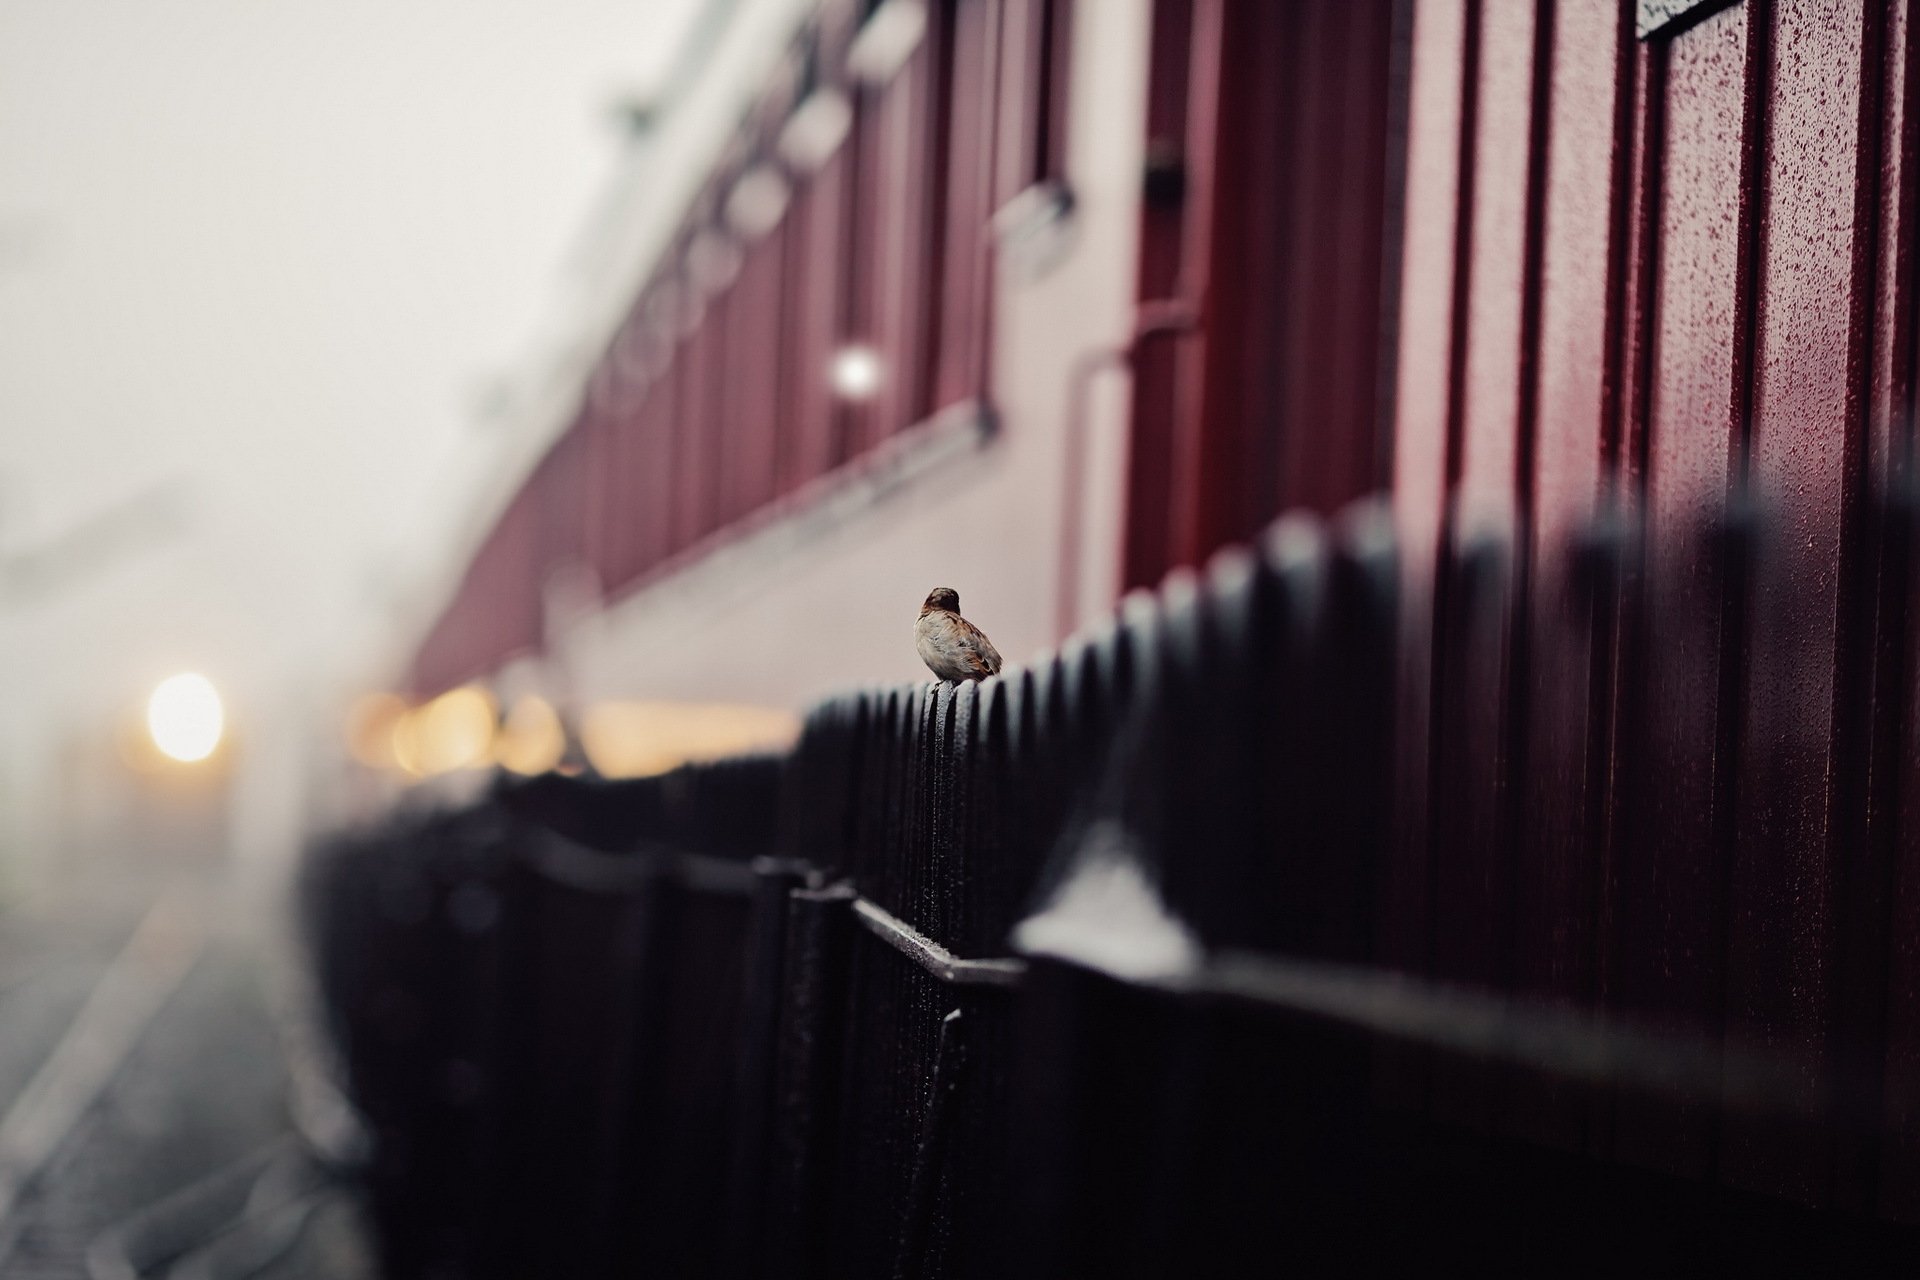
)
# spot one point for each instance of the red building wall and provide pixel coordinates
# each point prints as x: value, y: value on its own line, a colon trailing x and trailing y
x: 860, y: 205
x: 1659, y: 273
x: 1512, y: 260
x: 1269, y: 242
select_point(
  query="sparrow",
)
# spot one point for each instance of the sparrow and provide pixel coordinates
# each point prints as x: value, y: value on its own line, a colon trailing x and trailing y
x: 953, y: 648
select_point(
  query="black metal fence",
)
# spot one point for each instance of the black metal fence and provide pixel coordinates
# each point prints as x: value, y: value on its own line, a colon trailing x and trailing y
x: 1098, y: 968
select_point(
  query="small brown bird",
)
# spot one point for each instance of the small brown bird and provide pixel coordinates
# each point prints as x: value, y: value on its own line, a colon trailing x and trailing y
x: 953, y: 648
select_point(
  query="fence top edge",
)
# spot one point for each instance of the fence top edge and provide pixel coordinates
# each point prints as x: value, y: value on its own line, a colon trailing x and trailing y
x: 931, y: 956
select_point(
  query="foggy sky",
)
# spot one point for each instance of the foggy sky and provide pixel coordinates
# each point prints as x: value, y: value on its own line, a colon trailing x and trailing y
x: 263, y: 266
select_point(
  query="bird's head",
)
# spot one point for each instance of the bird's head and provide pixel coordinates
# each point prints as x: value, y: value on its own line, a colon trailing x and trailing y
x: 942, y: 598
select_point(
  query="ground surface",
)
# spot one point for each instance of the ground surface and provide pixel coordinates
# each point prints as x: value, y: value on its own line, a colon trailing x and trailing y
x: 145, y: 1125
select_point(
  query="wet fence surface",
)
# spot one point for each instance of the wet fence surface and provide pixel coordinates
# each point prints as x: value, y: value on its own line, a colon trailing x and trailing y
x: 1263, y: 924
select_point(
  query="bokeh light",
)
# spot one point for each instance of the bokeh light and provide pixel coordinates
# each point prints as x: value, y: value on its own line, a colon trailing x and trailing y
x: 370, y: 729
x: 454, y: 731
x: 404, y: 742
x: 185, y: 717
x: 641, y: 739
x: 855, y: 373
x: 531, y: 739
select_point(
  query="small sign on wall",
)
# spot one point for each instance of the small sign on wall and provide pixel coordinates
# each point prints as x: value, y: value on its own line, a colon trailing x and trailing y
x: 1665, y: 17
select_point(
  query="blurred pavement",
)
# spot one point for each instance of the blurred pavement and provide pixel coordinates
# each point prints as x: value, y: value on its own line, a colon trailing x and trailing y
x: 144, y: 1086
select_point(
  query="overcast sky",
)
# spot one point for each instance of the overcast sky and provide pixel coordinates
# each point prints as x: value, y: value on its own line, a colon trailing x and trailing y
x: 261, y: 262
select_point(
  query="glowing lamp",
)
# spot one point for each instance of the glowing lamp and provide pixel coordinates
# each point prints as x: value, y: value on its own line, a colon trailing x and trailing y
x: 185, y: 718
x: 855, y: 373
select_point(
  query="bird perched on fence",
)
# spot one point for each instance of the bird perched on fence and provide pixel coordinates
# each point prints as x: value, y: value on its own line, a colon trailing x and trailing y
x: 952, y: 647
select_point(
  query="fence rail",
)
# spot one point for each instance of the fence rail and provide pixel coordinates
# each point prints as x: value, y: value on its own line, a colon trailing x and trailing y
x: 1255, y: 925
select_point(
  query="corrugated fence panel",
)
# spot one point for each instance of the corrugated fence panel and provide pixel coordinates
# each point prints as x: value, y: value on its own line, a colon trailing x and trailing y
x: 1477, y: 750
x: 1562, y: 789
x: 1433, y: 276
x: 1807, y: 448
x: 907, y: 190
x: 961, y: 259
x: 755, y: 367
x: 1673, y: 878
x: 1892, y: 833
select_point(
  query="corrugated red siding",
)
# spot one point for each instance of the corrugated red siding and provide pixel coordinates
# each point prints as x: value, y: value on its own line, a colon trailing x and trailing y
x: 901, y: 171
x: 1268, y: 133
x: 1895, y: 765
x: 496, y: 612
x: 713, y: 399
x: 1640, y: 288
x: 1655, y: 275
x: 959, y: 336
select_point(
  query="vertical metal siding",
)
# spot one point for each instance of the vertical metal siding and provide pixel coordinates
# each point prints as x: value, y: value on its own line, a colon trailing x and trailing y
x: 757, y: 340
x: 962, y: 254
x: 1280, y: 166
x: 565, y: 534
x: 1892, y: 835
x: 1021, y: 84
x: 1672, y: 780
x: 712, y: 425
x: 1440, y: 187
x: 1673, y: 292
x: 1566, y: 698
x: 1147, y: 553
x: 714, y: 398
x: 656, y: 447
x: 907, y: 185
x: 1699, y: 220
x: 496, y: 610
x: 1805, y: 441
x: 599, y: 496
x: 822, y: 210
x: 1476, y: 646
